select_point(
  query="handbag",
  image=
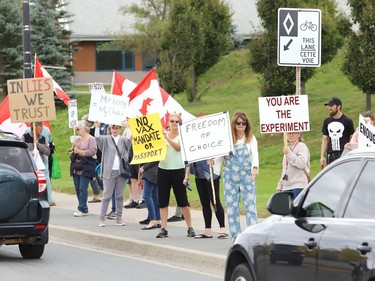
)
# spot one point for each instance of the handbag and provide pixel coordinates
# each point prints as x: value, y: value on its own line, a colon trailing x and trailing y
x: 76, y: 162
x: 124, y: 165
x: 56, y: 170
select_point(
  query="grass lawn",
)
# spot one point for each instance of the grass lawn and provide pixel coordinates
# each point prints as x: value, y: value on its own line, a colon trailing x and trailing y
x: 232, y: 86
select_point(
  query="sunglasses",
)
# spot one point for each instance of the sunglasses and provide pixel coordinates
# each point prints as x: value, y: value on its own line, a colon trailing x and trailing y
x: 241, y: 123
x: 174, y: 121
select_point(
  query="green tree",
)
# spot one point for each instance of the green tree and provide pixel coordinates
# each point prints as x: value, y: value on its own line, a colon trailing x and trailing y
x: 277, y: 80
x: 11, y: 58
x: 359, y: 64
x: 50, y: 39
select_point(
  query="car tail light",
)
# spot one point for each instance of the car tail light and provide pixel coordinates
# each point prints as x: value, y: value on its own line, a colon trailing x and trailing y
x: 40, y: 226
x: 42, y: 182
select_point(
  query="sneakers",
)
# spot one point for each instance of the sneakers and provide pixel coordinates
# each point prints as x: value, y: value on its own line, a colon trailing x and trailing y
x: 175, y: 218
x: 120, y: 223
x: 162, y: 234
x: 141, y: 204
x: 52, y: 204
x: 95, y: 200
x: 111, y: 215
x: 190, y: 232
x: 145, y: 221
x: 80, y: 214
x: 101, y: 223
x: 131, y: 205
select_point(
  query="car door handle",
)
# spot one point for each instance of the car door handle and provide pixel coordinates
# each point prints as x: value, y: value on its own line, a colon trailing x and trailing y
x: 311, y: 244
x: 364, y: 248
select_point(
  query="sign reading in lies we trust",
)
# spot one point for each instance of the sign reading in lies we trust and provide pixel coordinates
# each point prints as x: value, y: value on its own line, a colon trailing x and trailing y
x: 284, y: 114
x: 147, y: 139
x: 31, y: 100
x: 206, y: 137
x: 106, y: 108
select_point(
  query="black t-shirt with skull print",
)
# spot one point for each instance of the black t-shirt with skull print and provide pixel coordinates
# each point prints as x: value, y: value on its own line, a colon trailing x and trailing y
x: 338, y: 132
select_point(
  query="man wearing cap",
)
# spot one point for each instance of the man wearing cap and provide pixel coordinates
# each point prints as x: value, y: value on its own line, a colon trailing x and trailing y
x: 337, y: 131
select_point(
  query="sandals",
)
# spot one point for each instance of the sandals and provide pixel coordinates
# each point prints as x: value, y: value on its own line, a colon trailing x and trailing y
x: 222, y: 236
x: 202, y: 235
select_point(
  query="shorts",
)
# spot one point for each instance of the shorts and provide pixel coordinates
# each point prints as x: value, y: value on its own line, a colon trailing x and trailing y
x: 134, y: 169
x: 166, y: 180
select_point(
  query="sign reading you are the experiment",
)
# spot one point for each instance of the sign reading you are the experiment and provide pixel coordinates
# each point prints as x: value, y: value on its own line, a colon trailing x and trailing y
x: 31, y: 100
x: 206, y: 137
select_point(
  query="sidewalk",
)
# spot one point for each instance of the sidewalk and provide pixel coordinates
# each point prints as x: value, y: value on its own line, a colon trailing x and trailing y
x: 199, y: 254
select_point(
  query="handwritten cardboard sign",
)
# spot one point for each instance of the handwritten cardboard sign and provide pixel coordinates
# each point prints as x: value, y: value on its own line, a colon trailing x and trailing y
x: 73, y: 113
x: 284, y: 114
x: 366, y: 133
x: 147, y: 139
x: 206, y: 137
x: 31, y: 100
x: 106, y: 108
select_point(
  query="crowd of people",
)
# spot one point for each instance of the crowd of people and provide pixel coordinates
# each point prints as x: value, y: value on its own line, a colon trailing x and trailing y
x: 99, y: 150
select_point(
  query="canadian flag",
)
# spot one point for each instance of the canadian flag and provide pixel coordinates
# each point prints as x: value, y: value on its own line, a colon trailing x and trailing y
x: 120, y: 85
x: 40, y: 71
x: 148, y: 97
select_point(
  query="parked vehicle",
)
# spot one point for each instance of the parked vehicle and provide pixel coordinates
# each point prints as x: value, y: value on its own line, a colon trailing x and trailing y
x: 24, y: 209
x: 327, y: 233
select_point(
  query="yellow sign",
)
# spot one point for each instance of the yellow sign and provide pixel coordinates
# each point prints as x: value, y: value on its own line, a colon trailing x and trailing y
x: 31, y: 100
x: 147, y: 139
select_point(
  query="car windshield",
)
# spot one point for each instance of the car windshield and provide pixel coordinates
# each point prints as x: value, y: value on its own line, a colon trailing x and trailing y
x: 16, y: 157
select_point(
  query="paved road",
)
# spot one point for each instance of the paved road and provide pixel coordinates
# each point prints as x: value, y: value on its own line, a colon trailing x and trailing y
x: 64, y: 262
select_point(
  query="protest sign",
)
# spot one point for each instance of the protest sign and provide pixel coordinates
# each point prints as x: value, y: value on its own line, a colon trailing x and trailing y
x: 366, y: 133
x: 284, y: 114
x: 147, y: 139
x: 31, y: 100
x: 206, y: 137
x: 73, y: 113
x: 106, y: 108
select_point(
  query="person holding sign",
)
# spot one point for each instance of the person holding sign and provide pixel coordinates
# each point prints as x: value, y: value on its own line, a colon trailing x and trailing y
x: 240, y: 172
x: 113, y: 182
x: 82, y: 167
x: 171, y: 173
x: 369, y: 118
x: 295, y: 174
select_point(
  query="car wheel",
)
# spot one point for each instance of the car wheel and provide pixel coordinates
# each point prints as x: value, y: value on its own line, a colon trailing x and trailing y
x: 241, y: 273
x: 31, y: 251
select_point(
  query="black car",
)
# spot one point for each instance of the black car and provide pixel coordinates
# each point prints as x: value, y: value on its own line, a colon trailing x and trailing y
x: 327, y: 233
x: 24, y: 209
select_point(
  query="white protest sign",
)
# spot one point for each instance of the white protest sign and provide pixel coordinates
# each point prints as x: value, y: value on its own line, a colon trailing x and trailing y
x: 206, y: 137
x: 73, y: 113
x: 366, y: 133
x: 38, y: 159
x: 284, y: 114
x: 106, y: 108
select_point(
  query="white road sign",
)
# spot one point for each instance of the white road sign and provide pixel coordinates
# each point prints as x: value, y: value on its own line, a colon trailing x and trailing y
x: 299, y: 37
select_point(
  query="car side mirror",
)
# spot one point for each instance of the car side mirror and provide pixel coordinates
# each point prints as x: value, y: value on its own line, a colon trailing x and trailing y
x: 280, y: 203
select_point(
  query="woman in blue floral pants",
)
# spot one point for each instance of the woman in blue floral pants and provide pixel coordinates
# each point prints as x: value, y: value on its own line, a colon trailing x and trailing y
x: 240, y: 172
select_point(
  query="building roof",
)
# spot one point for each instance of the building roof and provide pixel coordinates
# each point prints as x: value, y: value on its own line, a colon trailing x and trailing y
x: 95, y: 20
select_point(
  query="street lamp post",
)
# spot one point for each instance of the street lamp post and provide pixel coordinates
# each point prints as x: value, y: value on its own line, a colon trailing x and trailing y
x: 26, y: 35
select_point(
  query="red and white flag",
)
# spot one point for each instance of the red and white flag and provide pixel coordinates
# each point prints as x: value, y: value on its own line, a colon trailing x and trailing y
x: 148, y: 97
x: 5, y: 124
x: 40, y: 71
x: 121, y: 85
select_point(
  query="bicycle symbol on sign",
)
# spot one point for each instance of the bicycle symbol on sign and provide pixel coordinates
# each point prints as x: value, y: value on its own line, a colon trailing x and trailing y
x: 308, y: 25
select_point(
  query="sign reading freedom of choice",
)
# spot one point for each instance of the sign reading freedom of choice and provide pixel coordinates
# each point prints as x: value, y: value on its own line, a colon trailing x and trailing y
x: 31, y: 100
x: 106, y: 108
x: 147, y: 139
x: 206, y: 137
x: 284, y: 114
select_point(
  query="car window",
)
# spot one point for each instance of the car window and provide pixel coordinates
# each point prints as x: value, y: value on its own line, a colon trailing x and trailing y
x: 361, y: 203
x: 324, y: 194
x: 16, y: 157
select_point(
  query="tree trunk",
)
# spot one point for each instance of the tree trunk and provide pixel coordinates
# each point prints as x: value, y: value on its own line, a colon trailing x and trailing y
x: 368, y: 100
x: 193, y: 94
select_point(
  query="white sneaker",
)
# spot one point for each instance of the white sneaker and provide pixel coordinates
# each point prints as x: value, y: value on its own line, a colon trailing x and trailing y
x: 80, y: 214
x: 101, y: 223
x: 120, y: 223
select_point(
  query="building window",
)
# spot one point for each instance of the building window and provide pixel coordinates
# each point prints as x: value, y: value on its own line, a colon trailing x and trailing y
x: 148, y: 62
x: 112, y: 59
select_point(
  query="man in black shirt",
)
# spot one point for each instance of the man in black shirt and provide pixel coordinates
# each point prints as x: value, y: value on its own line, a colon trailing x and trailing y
x: 337, y: 130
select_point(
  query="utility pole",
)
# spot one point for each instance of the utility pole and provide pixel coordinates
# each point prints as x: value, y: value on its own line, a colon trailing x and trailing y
x: 26, y: 35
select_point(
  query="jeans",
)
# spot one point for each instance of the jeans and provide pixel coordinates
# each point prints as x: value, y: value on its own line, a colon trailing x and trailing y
x: 151, y: 197
x: 48, y: 181
x: 81, y: 183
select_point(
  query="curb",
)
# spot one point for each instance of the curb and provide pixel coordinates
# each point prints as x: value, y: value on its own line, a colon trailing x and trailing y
x: 182, y: 258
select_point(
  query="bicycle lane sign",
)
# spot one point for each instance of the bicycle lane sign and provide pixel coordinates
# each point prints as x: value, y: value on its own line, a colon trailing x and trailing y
x: 299, y: 37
